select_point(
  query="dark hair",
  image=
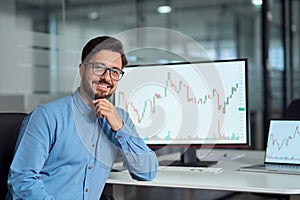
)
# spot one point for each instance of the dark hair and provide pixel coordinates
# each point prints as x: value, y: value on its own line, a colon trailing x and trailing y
x: 103, y: 43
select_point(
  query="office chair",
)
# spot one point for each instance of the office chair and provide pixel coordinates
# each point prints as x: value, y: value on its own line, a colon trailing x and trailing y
x: 9, y: 129
x: 106, y: 197
x: 293, y: 110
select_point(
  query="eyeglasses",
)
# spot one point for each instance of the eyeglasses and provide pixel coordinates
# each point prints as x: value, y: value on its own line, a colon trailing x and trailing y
x: 100, y: 69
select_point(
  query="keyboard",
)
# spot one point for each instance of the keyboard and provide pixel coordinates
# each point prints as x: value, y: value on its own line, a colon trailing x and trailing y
x: 294, y: 169
x: 287, y: 167
x: 273, y: 168
x: 213, y: 170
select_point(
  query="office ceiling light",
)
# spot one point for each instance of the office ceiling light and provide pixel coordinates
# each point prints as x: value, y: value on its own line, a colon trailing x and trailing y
x: 93, y: 15
x: 257, y: 2
x: 164, y: 9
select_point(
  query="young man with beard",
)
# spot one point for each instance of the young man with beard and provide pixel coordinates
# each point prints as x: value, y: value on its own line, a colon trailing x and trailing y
x: 66, y: 147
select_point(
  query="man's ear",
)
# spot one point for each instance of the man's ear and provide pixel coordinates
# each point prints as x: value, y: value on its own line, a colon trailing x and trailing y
x: 81, y: 69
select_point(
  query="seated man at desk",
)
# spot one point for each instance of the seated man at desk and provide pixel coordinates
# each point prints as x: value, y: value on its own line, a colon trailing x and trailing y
x: 66, y: 147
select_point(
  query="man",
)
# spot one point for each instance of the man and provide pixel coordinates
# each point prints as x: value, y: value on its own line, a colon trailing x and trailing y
x: 66, y: 147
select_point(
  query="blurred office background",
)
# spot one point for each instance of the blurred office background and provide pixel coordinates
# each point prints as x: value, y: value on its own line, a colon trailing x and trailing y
x: 41, y: 42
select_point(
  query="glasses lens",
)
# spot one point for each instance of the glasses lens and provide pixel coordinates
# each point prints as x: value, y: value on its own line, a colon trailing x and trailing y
x: 115, y: 74
x: 99, y: 69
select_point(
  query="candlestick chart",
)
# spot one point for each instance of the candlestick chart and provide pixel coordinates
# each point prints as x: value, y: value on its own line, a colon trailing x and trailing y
x: 283, y: 141
x: 184, y: 103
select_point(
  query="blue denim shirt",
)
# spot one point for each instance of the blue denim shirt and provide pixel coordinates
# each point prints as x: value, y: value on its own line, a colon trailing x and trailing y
x: 65, y: 152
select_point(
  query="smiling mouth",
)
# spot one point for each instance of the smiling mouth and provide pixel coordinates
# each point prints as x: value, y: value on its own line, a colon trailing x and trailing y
x: 103, y: 86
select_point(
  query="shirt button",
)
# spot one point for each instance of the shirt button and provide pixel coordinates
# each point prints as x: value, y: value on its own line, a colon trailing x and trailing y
x: 86, y: 190
x: 126, y: 153
x: 90, y: 167
x: 118, y: 137
x: 93, y: 145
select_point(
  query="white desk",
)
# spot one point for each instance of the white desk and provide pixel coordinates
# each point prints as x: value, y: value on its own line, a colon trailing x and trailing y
x: 229, y: 180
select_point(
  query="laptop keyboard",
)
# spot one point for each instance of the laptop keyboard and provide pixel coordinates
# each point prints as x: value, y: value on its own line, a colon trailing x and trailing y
x: 282, y: 167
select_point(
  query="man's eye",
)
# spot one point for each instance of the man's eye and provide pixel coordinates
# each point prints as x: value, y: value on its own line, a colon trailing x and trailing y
x: 99, y: 68
x: 115, y: 71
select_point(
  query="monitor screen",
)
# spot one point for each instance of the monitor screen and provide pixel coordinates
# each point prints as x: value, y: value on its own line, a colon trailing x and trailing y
x: 198, y: 103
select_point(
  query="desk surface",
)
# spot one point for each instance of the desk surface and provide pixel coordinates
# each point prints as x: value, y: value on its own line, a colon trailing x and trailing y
x: 229, y: 180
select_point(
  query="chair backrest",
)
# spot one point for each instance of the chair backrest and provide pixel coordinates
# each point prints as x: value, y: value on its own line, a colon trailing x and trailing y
x: 293, y: 110
x: 9, y: 129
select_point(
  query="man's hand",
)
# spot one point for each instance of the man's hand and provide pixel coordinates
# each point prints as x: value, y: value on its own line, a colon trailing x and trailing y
x: 106, y: 109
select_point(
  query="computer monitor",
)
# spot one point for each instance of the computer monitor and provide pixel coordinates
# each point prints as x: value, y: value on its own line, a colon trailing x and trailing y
x: 189, y: 105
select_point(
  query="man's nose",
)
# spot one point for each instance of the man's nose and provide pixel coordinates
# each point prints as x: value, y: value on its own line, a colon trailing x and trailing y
x: 106, y: 74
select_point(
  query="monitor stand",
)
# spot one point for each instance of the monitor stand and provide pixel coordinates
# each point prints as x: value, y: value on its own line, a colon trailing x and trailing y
x: 189, y: 159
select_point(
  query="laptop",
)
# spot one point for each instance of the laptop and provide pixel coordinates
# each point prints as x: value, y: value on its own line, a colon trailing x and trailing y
x: 282, y: 153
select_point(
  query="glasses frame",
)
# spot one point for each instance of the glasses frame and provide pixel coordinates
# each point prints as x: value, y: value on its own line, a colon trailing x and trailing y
x: 105, y: 69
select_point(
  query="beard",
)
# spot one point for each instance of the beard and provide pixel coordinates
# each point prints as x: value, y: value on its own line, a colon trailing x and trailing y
x: 92, y: 93
x: 101, y: 96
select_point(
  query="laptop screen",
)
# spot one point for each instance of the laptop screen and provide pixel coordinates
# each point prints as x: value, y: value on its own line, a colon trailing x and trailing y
x: 283, y: 142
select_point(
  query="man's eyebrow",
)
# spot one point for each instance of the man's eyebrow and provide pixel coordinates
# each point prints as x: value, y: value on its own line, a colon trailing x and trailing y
x: 100, y: 63
x: 114, y: 67
x: 110, y: 66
